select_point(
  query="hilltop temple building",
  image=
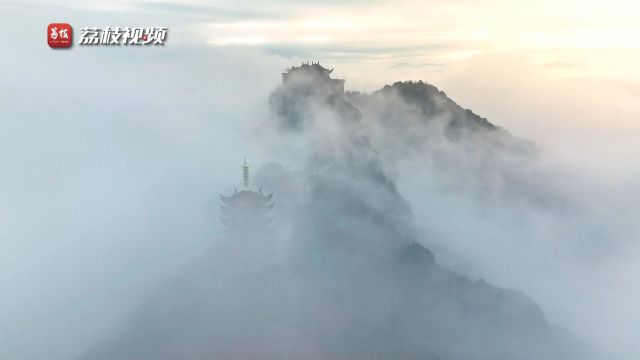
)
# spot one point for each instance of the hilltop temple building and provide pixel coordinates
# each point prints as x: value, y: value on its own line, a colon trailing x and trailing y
x: 301, y: 76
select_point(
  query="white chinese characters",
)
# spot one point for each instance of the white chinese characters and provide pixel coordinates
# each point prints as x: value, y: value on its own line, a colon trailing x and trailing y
x: 55, y: 33
x: 123, y: 36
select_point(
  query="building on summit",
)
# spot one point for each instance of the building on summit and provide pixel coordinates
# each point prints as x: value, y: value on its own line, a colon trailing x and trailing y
x: 306, y: 73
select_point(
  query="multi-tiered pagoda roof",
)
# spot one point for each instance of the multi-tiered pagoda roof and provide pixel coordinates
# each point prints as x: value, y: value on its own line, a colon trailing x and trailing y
x: 246, y: 213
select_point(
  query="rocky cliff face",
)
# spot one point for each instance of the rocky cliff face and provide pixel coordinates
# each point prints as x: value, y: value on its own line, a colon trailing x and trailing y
x: 355, y: 282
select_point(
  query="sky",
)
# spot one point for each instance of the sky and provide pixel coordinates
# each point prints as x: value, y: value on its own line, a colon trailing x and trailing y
x: 569, y: 38
x: 573, y: 53
x: 86, y: 180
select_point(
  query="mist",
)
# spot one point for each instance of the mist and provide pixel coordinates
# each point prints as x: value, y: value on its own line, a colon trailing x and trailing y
x: 108, y: 195
x: 109, y: 159
x: 576, y: 250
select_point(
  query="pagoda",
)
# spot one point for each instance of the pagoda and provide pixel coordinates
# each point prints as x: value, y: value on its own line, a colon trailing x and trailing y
x: 246, y: 213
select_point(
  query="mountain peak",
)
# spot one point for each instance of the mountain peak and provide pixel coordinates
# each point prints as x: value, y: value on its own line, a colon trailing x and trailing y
x: 433, y: 102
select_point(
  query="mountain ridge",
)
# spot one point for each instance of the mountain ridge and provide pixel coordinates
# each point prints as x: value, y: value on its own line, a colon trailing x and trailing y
x: 356, y: 283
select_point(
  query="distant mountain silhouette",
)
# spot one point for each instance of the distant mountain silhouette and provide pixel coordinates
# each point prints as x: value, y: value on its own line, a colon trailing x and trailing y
x: 356, y: 283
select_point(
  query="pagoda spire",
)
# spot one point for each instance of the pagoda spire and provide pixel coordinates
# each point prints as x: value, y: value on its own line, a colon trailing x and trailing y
x: 245, y: 174
x: 246, y: 213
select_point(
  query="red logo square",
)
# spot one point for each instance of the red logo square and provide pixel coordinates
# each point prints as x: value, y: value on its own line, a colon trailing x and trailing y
x: 59, y: 35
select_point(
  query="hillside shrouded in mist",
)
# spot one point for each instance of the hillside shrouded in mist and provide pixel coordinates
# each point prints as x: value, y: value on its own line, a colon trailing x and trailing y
x: 344, y: 272
x: 403, y: 224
